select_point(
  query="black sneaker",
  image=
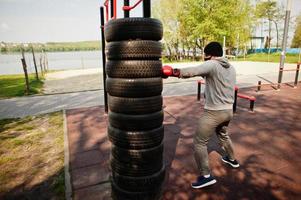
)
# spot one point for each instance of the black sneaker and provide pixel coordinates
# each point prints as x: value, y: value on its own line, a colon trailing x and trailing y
x: 232, y: 163
x: 203, y: 182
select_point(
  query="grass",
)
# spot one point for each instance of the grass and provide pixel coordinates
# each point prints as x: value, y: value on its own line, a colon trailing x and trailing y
x: 14, y: 85
x: 32, y: 157
x: 275, y: 57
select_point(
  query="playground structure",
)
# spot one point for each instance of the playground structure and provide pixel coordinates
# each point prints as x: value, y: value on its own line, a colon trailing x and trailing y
x: 276, y: 86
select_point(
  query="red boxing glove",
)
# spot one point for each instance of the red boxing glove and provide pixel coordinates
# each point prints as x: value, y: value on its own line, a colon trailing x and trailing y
x: 169, y: 71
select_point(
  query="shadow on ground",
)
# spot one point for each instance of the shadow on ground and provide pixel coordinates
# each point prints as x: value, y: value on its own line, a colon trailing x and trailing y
x: 267, y: 146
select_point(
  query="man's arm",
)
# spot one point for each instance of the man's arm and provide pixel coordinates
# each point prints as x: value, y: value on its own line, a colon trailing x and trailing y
x: 200, y: 70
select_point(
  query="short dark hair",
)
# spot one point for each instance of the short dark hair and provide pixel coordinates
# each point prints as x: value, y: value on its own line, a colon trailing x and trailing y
x: 214, y: 49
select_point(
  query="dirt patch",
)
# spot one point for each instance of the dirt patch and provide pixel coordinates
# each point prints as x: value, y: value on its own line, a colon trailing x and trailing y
x: 32, y: 157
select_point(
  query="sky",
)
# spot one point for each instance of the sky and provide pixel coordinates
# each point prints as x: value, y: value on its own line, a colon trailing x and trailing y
x: 60, y: 20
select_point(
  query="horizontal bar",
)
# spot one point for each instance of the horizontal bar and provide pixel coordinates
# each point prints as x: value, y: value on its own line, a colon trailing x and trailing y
x: 288, y: 70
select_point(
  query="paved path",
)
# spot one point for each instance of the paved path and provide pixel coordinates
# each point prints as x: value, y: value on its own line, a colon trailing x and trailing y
x: 267, y: 147
x: 73, y: 81
x: 91, y: 79
x: 24, y: 106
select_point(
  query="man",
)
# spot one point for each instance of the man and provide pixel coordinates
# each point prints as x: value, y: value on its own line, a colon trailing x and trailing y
x: 220, y: 79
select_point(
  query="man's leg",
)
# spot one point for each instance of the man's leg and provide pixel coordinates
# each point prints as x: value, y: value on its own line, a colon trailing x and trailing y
x: 225, y: 140
x: 206, y: 127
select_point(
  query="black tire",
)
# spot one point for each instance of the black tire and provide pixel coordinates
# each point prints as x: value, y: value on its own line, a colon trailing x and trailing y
x: 135, y: 169
x: 134, y: 68
x: 135, y: 105
x: 138, y: 87
x: 136, y: 122
x: 120, y: 194
x: 139, y: 184
x: 141, y: 156
x: 135, y: 50
x: 136, y: 139
x: 133, y: 28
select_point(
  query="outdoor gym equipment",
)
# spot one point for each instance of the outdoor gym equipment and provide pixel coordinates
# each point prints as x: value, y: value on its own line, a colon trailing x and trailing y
x: 134, y: 86
x: 296, y: 75
x: 297, y: 70
x: 252, y: 99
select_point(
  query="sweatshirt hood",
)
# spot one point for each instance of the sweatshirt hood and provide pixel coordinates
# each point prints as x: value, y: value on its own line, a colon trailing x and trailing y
x: 223, y: 62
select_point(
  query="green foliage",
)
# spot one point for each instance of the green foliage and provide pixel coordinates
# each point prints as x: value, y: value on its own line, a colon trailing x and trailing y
x: 191, y: 24
x: 296, y: 43
x: 14, y: 85
x: 271, y: 11
x: 73, y: 46
x: 167, y: 11
x: 211, y: 20
x: 267, y: 9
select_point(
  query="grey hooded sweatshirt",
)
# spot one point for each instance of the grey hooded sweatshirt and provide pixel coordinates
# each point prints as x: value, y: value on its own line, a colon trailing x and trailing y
x: 220, y: 77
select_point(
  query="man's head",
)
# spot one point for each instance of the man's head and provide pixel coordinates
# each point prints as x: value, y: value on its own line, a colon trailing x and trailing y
x: 213, y: 49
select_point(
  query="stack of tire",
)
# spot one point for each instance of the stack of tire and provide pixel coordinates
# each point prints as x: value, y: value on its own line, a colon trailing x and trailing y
x: 134, y: 87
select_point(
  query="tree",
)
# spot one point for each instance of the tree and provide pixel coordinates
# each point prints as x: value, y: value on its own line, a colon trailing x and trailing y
x: 270, y: 11
x: 208, y: 20
x: 194, y: 23
x: 166, y: 11
x: 296, y: 42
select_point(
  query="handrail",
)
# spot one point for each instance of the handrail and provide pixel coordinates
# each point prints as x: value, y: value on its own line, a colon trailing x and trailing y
x: 106, y: 4
x: 128, y: 8
x: 115, y: 10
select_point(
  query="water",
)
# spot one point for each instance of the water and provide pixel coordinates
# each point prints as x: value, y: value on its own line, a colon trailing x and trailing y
x: 11, y: 63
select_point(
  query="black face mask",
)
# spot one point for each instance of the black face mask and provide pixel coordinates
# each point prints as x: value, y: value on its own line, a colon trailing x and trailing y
x: 207, y: 58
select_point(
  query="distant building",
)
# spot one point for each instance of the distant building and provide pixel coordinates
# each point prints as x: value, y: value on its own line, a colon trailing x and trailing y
x: 257, y: 42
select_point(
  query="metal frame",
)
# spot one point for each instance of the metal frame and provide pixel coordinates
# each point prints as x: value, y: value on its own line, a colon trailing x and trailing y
x: 126, y: 3
x: 111, y: 5
x: 103, y: 44
x: 146, y: 7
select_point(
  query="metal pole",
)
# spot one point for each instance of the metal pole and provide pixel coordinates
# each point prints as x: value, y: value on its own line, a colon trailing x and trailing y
x: 259, y: 86
x: 146, y: 8
x: 235, y: 99
x: 102, y: 22
x: 284, y: 41
x: 112, y: 8
x: 199, y: 91
x: 252, y: 103
x: 126, y: 12
x: 237, y: 50
x: 224, y: 47
x: 297, y: 75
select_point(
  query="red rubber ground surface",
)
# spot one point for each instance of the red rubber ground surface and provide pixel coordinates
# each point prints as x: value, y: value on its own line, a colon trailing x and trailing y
x: 267, y: 144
